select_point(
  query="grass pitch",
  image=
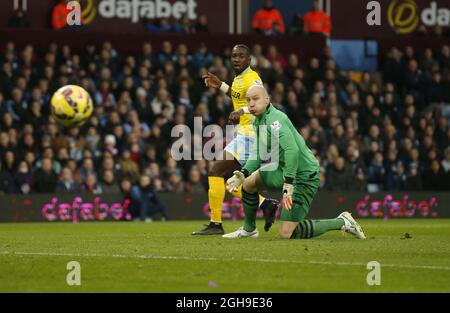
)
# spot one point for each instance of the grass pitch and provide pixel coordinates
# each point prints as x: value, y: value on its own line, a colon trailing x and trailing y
x: 165, y: 257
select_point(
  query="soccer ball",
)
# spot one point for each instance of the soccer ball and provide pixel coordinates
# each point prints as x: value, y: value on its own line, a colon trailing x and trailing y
x: 71, y: 105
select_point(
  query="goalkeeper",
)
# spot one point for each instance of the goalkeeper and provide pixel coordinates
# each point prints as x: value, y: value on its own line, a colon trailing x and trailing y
x: 296, y: 171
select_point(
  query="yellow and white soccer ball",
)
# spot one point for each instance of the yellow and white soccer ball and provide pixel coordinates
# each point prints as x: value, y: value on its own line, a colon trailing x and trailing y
x: 71, y: 105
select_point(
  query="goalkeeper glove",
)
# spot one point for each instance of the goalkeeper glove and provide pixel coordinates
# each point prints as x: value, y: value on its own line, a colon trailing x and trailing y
x: 235, y: 181
x: 288, y: 190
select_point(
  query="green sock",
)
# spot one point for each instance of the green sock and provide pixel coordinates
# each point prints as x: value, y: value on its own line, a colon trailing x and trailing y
x: 251, y: 202
x: 313, y: 228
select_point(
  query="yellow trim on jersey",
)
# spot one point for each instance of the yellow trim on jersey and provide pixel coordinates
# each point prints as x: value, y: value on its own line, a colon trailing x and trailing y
x: 239, y: 88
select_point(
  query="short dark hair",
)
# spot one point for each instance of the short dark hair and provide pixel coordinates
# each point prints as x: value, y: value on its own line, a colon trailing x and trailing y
x: 242, y: 46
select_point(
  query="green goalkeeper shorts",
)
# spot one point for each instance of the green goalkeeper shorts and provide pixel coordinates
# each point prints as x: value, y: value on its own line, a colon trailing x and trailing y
x: 305, y: 187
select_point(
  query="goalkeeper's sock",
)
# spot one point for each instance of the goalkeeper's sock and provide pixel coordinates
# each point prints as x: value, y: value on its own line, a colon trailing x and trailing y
x: 250, y: 201
x: 261, y: 199
x: 216, y: 196
x: 238, y: 194
x: 312, y: 228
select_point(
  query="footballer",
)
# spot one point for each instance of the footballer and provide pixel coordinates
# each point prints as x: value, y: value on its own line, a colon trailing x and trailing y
x: 297, y: 172
x: 237, y: 151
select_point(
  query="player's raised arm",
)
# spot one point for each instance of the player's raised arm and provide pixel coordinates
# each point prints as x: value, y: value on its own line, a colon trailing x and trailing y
x: 213, y: 81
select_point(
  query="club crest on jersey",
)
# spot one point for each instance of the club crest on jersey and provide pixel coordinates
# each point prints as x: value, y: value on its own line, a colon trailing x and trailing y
x: 276, y: 125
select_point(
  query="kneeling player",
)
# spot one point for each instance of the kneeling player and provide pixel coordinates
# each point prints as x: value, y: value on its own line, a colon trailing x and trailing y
x: 296, y: 171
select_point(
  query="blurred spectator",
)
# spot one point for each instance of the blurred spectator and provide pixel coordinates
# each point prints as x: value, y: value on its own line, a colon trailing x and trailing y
x: 93, y: 141
x: 201, y: 26
x: 399, y: 178
x: 6, y: 79
x: 125, y: 187
x: 317, y: 21
x: 421, y: 31
x: 360, y: 181
x: 440, y: 133
x: 134, y: 125
x: 66, y: 182
x: 376, y: 173
x: 104, y: 97
x: 268, y: 20
x: 339, y: 178
x: 183, y: 25
x: 24, y: 178
x: 19, y: 20
x: 146, y: 201
x: 392, y: 70
x: 175, y: 183
x: 446, y: 161
x: 6, y: 181
x: 87, y: 168
x: 17, y: 105
x: 258, y: 58
x: 274, y: 56
x: 59, y: 15
x: 357, y: 167
x: 166, y: 54
x: 389, y: 116
x: 444, y: 57
x: 194, y: 183
x: 128, y: 167
x: 297, y: 26
x: 142, y: 105
x: 160, y: 25
x: 161, y: 100
x: 45, y: 177
x: 91, y: 185
x: 435, y: 179
x: 202, y: 58
x: 413, y: 179
x: 414, y: 80
x: 110, y: 145
x: 338, y: 138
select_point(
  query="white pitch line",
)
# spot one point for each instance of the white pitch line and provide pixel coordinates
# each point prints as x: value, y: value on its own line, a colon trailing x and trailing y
x: 169, y: 257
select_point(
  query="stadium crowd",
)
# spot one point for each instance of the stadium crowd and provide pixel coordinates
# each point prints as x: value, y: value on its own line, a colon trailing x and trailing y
x: 371, y: 131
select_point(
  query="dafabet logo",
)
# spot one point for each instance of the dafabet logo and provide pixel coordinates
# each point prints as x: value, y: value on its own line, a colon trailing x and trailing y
x: 135, y: 10
x: 89, y: 11
x: 404, y: 16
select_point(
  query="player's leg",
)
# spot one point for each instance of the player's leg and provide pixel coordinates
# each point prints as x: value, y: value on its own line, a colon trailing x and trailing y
x: 312, y: 228
x: 309, y: 228
x: 240, y: 148
x: 267, y: 205
x: 293, y: 222
x: 236, y: 154
x: 250, y: 200
x: 221, y: 170
x: 137, y: 203
x: 295, y: 226
x: 265, y: 178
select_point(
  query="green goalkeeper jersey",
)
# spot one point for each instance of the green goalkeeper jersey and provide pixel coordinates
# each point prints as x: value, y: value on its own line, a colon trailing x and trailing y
x: 290, y: 152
